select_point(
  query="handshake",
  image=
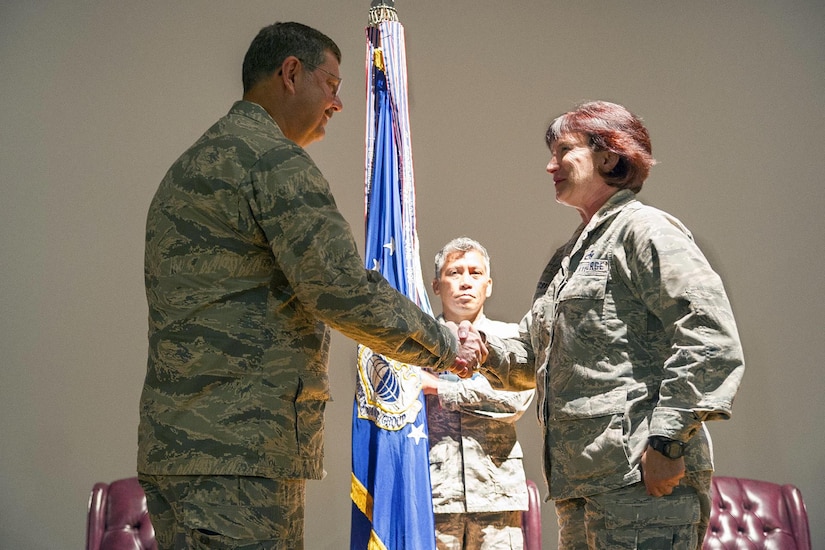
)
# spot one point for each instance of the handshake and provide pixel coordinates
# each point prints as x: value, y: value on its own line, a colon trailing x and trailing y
x: 472, y: 351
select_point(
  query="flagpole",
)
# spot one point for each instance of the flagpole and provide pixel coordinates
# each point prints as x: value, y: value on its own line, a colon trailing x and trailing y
x: 390, y: 485
x: 392, y: 55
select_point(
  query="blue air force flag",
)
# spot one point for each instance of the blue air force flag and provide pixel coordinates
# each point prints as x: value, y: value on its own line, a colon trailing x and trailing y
x: 391, y: 494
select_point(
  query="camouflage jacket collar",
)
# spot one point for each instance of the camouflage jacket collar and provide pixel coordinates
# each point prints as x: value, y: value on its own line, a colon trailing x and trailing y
x: 611, y: 207
x: 255, y: 112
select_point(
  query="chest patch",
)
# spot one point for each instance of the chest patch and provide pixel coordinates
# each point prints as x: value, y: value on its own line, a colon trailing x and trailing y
x: 592, y: 268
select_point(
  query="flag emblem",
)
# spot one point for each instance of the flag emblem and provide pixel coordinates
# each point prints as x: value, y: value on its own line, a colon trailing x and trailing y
x: 388, y: 392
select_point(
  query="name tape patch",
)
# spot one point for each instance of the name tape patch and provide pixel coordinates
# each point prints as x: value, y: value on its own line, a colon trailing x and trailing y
x: 592, y: 267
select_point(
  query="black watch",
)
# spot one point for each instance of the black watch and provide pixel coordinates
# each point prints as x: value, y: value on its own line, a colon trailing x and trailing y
x: 671, y: 448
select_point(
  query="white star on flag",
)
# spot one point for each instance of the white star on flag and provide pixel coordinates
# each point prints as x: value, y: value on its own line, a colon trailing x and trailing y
x: 391, y: 246
x: 417, y: 433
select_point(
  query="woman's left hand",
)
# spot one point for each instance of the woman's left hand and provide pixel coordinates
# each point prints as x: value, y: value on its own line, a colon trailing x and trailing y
x: 660, y: 473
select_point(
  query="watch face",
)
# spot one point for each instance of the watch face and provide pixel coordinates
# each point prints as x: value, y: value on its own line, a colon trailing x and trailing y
x: 672, y: 449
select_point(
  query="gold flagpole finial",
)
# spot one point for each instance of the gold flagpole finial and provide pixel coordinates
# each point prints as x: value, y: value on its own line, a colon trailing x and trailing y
x: 382, y: 10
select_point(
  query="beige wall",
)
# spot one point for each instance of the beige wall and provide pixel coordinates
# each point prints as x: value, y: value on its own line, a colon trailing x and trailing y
x: 98, y: 98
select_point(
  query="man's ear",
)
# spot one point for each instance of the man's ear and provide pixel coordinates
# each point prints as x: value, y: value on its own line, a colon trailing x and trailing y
x: 288, y: 72
x: 489, y: 288
x: 436, y: 288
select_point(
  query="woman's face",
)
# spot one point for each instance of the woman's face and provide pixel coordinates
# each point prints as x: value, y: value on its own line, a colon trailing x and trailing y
x: 575, y: 170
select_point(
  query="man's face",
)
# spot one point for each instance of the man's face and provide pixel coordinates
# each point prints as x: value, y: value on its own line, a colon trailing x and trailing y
x: 463, y: 285
x: 318, y: 100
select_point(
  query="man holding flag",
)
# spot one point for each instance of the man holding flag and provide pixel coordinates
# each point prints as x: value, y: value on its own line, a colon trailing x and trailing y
x: 248, y: 264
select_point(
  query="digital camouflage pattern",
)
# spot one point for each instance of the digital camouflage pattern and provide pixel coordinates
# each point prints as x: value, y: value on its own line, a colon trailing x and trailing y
x: 223, y: 512
x: 630, y: 518
x: 482, y: 531
x: 633, y: 336
x: 248, y: 262
x: 475, y: 457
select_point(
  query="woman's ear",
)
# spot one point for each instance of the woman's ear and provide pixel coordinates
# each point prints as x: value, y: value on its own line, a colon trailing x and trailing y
x: 608, y: 162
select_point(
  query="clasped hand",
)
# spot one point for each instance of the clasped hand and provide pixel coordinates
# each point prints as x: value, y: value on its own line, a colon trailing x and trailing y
x: 471, y: 350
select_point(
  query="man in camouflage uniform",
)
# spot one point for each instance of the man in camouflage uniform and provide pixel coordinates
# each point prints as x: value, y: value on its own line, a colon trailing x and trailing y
x: 632, y: 344
x: 248, y: 262
x: 479, y: 486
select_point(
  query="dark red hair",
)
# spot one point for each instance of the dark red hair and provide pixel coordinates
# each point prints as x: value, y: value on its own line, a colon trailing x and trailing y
x: 610, y: 127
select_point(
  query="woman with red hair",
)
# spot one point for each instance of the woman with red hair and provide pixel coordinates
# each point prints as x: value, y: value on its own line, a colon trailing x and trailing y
x: 632, y: 345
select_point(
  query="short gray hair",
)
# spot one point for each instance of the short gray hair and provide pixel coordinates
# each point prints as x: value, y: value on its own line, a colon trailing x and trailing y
x: 460, y: 244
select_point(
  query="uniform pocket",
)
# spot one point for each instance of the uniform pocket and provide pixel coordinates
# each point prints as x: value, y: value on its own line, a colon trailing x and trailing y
x: 573, y: 407
x: 585, y: 287
x: 594, y: 432
x: 226, y: 512
x: 630, y: 514
x: 580, y: 314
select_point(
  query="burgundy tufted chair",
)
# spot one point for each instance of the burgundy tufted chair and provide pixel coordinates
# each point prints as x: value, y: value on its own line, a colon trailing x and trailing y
x: 748, y: 514
x: 118, y: 519
x: 531, y: 519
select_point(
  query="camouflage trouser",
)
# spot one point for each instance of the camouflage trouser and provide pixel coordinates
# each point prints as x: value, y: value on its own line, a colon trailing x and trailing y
x: 226, y: 512
x: 629, y: 518
x: 479, y: 531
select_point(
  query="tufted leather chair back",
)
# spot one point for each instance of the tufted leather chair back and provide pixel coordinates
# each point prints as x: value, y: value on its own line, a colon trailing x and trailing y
x: 750, y: 514
x: 118, y: 518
